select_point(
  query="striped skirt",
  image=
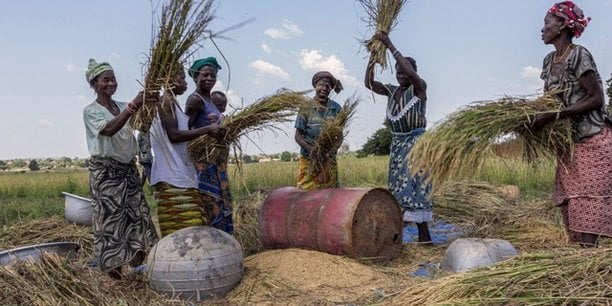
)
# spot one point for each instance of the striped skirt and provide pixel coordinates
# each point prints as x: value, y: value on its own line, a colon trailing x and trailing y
x: 179, y: 208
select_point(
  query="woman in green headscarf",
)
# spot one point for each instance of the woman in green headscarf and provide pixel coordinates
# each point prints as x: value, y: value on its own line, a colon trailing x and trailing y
x: 212, y: 176
x: 122, y: 227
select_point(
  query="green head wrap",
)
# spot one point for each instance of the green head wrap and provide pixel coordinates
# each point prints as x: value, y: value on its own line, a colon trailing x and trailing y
x: 94, y: 69
x: 197, y: 65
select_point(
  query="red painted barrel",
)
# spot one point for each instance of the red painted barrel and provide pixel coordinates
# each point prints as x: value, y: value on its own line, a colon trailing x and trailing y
x: 355, y: 222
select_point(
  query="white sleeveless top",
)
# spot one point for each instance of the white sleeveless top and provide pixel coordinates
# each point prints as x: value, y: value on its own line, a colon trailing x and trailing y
x: 171, y: 161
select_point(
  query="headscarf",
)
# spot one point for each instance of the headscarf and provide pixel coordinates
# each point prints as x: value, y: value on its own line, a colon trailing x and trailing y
x: 336, y: 84
x: 198, y: 64
x: 572, y: 15
x: 94, y: 69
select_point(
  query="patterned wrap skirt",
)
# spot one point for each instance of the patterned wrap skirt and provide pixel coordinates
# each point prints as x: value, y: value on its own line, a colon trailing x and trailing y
x: 308, y: 181
x: 179, y: 208
x: 583, y: 187
x: 122, y: 227
x: 412, y: 192
x: 214, y: 184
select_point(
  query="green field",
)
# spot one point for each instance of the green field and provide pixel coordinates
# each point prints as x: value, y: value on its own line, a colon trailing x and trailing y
x: 29, y: 195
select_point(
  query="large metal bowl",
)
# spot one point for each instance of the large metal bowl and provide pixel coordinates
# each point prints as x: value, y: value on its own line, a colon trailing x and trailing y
x: 35, y: 252
x: 77, y: 209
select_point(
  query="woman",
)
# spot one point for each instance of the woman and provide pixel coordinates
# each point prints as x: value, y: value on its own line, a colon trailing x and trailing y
x: 212, y: 177
x: 406, y: 117
x: 308, y: 128
x: 173, y: 175
x: 122, y: 227
x: 583, y: 182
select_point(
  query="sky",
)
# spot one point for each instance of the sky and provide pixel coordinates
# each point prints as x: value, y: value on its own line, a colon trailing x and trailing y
x: 465, y: 50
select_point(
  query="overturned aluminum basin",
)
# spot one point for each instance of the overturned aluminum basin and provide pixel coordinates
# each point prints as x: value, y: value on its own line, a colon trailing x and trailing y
x: 35, y: 252
x: 78, y: 209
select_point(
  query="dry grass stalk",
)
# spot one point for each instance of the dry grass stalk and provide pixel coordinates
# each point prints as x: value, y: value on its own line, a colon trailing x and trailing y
x: 459, y: 146
x: 53, y: 229
x: 181, y: 26
x: 246, y: 223
x: 56, y: 281
x: 333, y: 131
x: 552, y: 277
x: 381, y: 16
x: 477, y: 205
x: 262, y: 114
x: 485, y: 212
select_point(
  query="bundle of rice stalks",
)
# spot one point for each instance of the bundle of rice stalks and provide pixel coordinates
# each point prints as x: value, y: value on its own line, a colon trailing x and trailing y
x: 478, y: 205
x: 181, y: 26
x: 246, y: 223
x: 333, y: 131
x: 381, y: 17
x: 260, y: 115
x: 54, y: 229
x: 535, y: 225
x: 485, y: 212
x: 459, y: 146
x: 56, y: 281
x: 554, y: 277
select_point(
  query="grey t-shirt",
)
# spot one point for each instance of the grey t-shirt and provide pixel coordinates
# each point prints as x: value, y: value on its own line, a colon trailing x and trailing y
x: 566, y: 79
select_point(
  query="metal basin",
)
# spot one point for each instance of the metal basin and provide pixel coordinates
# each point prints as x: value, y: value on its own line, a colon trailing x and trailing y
x: 77, y: 209
x: 35, y: 252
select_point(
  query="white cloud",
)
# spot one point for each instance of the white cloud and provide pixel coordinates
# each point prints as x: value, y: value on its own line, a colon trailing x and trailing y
x: 313, y: 60
x: 266, y: 48
x: 114, y: 55
x: 530, y: 72
x: 46, y: 123
x: 81, y: 97
x: 70, y: 67
x: 288, y: 30
x: 268, y: 68
x: 532, y: 82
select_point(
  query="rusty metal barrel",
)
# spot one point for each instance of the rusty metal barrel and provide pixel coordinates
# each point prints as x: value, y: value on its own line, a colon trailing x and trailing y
x: 354, y: 222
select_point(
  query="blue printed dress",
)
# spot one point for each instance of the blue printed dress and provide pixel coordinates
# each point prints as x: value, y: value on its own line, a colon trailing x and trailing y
x: 407, y: 122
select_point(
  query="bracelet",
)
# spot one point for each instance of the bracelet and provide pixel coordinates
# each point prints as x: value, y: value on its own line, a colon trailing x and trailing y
x: 396, y: 53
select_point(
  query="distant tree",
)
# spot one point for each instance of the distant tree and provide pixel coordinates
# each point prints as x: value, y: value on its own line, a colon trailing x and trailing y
x: 285, y: 156
x: 81, y: 162
x: 33, y: 165
x: 247, y: 159
x: 18, y: 163
x: 3, y: 165
x: 64, y: 162
x: 377, y: 144
x: 295, y: 157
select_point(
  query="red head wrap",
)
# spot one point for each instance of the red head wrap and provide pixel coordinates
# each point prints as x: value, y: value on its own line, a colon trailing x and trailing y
x: 572, y: 15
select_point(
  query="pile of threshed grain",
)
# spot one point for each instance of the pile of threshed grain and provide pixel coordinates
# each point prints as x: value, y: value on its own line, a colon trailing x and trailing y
x: 333, y: 130
x: 262, y: 114
x: 551, y: 277
x: 459, y: 145
x: 299, y: 277
x: 181, y: 27
x: 381, y: 16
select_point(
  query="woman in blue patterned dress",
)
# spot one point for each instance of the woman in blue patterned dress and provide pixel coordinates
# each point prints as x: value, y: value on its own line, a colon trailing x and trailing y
x: 406, y: 117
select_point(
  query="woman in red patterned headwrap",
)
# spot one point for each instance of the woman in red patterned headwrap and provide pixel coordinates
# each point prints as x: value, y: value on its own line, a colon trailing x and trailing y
x: 583, y: 184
